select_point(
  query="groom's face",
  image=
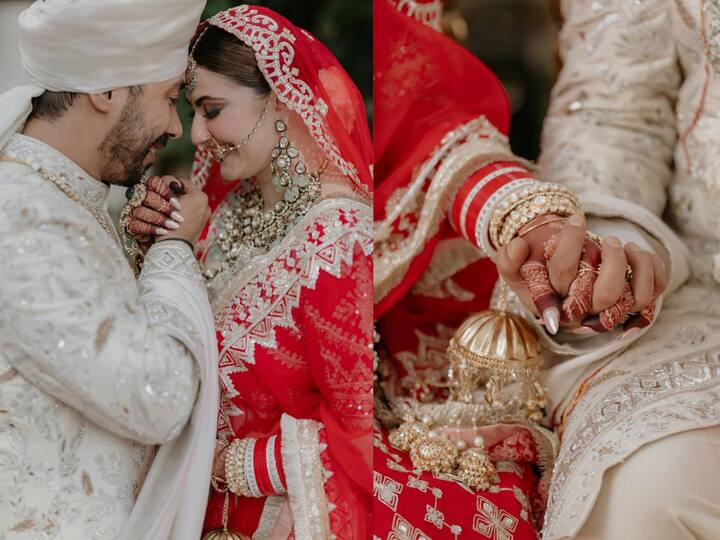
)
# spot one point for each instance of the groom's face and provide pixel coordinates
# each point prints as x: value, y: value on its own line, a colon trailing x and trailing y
x: 147, y: 121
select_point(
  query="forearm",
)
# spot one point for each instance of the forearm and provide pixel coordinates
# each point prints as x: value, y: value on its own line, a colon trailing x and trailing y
x: 77, y: 327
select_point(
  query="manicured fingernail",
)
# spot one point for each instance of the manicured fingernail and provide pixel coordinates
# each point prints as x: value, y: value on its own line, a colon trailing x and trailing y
x: 551, y: 316
x: 160, y: 231
x: 175, y: 203
x: 170, y: 224
x: 177, y: 216
x: 577, y: 220
x: 632, y: 246
x: 612, y: 241
x: 582, y: 331
x: 630, y: 334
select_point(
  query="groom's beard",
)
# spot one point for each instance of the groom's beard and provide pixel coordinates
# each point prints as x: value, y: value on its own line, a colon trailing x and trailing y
x: 126, y: 147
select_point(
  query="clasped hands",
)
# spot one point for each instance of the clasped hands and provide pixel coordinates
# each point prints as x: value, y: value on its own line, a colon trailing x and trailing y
x: 571, y: 278
x: 165, y: 207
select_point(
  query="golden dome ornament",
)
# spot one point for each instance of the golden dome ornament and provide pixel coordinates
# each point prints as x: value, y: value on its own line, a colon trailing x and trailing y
x: 496, y: 354
x: 224, y: 533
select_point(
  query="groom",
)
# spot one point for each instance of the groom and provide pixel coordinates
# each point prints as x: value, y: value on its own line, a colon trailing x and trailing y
x: 97, y: 369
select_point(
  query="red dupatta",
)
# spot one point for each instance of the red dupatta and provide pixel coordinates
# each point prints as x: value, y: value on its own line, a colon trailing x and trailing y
x: 425, y: 86
x: 310, y: 81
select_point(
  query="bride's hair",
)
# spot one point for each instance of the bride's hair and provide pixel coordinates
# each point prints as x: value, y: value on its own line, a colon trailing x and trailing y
x: 223, y: 53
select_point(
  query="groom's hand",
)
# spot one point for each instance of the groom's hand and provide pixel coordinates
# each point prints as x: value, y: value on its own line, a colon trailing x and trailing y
x: 557, y: 265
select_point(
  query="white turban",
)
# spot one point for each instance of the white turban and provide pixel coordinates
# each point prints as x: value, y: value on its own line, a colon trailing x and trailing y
x: 91, y: 46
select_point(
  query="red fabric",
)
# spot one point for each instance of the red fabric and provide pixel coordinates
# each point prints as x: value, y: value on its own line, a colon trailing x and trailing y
x: 310, y: 356
x: 310, y: 81
x: 425, y: 86
x: 317, y: 365
x: 481, y: 197
x: 430, y: 507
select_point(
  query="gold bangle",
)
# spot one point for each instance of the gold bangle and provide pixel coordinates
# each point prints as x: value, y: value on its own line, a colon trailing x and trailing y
x: 530, y: 229
x: 235, y: 468
x: 531, y: 201
x: 530, y: 209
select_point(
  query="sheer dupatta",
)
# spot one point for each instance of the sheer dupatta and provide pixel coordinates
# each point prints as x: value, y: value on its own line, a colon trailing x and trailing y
x: 426, y: 86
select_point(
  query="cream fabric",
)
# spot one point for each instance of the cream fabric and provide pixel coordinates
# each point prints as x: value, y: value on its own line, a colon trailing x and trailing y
x: 96, y: 368
x: 678, y: 500
x: 634, y: 127
x: 91, y: 46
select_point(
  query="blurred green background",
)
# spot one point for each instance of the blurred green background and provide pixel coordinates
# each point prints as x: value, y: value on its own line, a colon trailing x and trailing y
x: 344, y: 26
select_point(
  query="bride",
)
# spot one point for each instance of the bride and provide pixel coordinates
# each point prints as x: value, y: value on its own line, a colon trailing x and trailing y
x: 283, y: 152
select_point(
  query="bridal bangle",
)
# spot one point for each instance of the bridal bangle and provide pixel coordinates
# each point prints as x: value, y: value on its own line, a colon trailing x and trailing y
x: 523, y: 206
x: 235, y: 475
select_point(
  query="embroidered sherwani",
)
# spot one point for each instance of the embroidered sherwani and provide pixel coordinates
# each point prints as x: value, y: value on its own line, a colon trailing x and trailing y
x: 634, y: 127
x: 96, y: 369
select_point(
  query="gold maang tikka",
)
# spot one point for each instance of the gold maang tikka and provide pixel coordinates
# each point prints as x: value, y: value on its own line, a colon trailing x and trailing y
x: 191, y: 74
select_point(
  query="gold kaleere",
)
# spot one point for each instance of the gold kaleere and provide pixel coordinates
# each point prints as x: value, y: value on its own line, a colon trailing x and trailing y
x: 495, y: 377
x: 496, y: 354
x: 224, y: 533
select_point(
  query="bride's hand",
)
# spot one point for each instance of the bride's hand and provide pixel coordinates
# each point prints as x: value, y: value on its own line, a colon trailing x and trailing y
x: 555, y: 270
x: 550, y: 268
x: 159, y: 212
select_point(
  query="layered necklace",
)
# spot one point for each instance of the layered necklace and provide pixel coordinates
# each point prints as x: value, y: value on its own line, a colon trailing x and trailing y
x: 245, y: 228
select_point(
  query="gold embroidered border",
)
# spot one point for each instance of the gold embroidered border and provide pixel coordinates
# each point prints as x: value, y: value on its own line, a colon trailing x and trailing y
x: 461, y: 153
x: 688, y: 373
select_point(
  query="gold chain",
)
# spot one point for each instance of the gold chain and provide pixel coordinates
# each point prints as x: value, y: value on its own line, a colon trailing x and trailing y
x: 67, y: 191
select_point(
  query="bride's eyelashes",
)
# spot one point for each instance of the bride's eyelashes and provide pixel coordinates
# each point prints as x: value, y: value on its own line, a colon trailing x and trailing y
x: 206, y: 114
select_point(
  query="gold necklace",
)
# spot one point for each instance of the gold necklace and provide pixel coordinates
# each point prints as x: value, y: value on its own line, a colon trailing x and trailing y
x: 246, y: 225
x: 65, y: 188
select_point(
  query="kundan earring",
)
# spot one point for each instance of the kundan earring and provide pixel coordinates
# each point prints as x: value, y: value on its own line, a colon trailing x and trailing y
x: 287, y: 179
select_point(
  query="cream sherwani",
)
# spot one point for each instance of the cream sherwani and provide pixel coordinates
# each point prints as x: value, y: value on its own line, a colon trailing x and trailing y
x: 96, y: 369
x: 634, y: 127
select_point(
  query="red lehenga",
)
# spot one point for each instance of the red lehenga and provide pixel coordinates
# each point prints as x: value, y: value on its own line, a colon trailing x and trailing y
x: 294, y: 324
x: 440, y: 156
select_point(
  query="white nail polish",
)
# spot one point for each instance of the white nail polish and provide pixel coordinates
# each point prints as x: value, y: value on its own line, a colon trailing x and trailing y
x: 177, y: 216
x: 160, y: 231
x: 551, y: 316
x: 170, y: 224
x: 175, y: 203
x: 582, y: 331
x: 630, y: 334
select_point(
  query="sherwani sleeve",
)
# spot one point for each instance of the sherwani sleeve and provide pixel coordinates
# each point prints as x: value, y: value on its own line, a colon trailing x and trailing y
x: 609, y: 135
x: 82, y: 329
x: 610, y: 130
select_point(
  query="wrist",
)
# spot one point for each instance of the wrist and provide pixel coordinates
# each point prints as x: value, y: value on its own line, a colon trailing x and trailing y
x: 178, y: 239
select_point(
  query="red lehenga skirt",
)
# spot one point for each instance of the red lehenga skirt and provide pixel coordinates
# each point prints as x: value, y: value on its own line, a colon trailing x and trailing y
x: 417, y: 505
